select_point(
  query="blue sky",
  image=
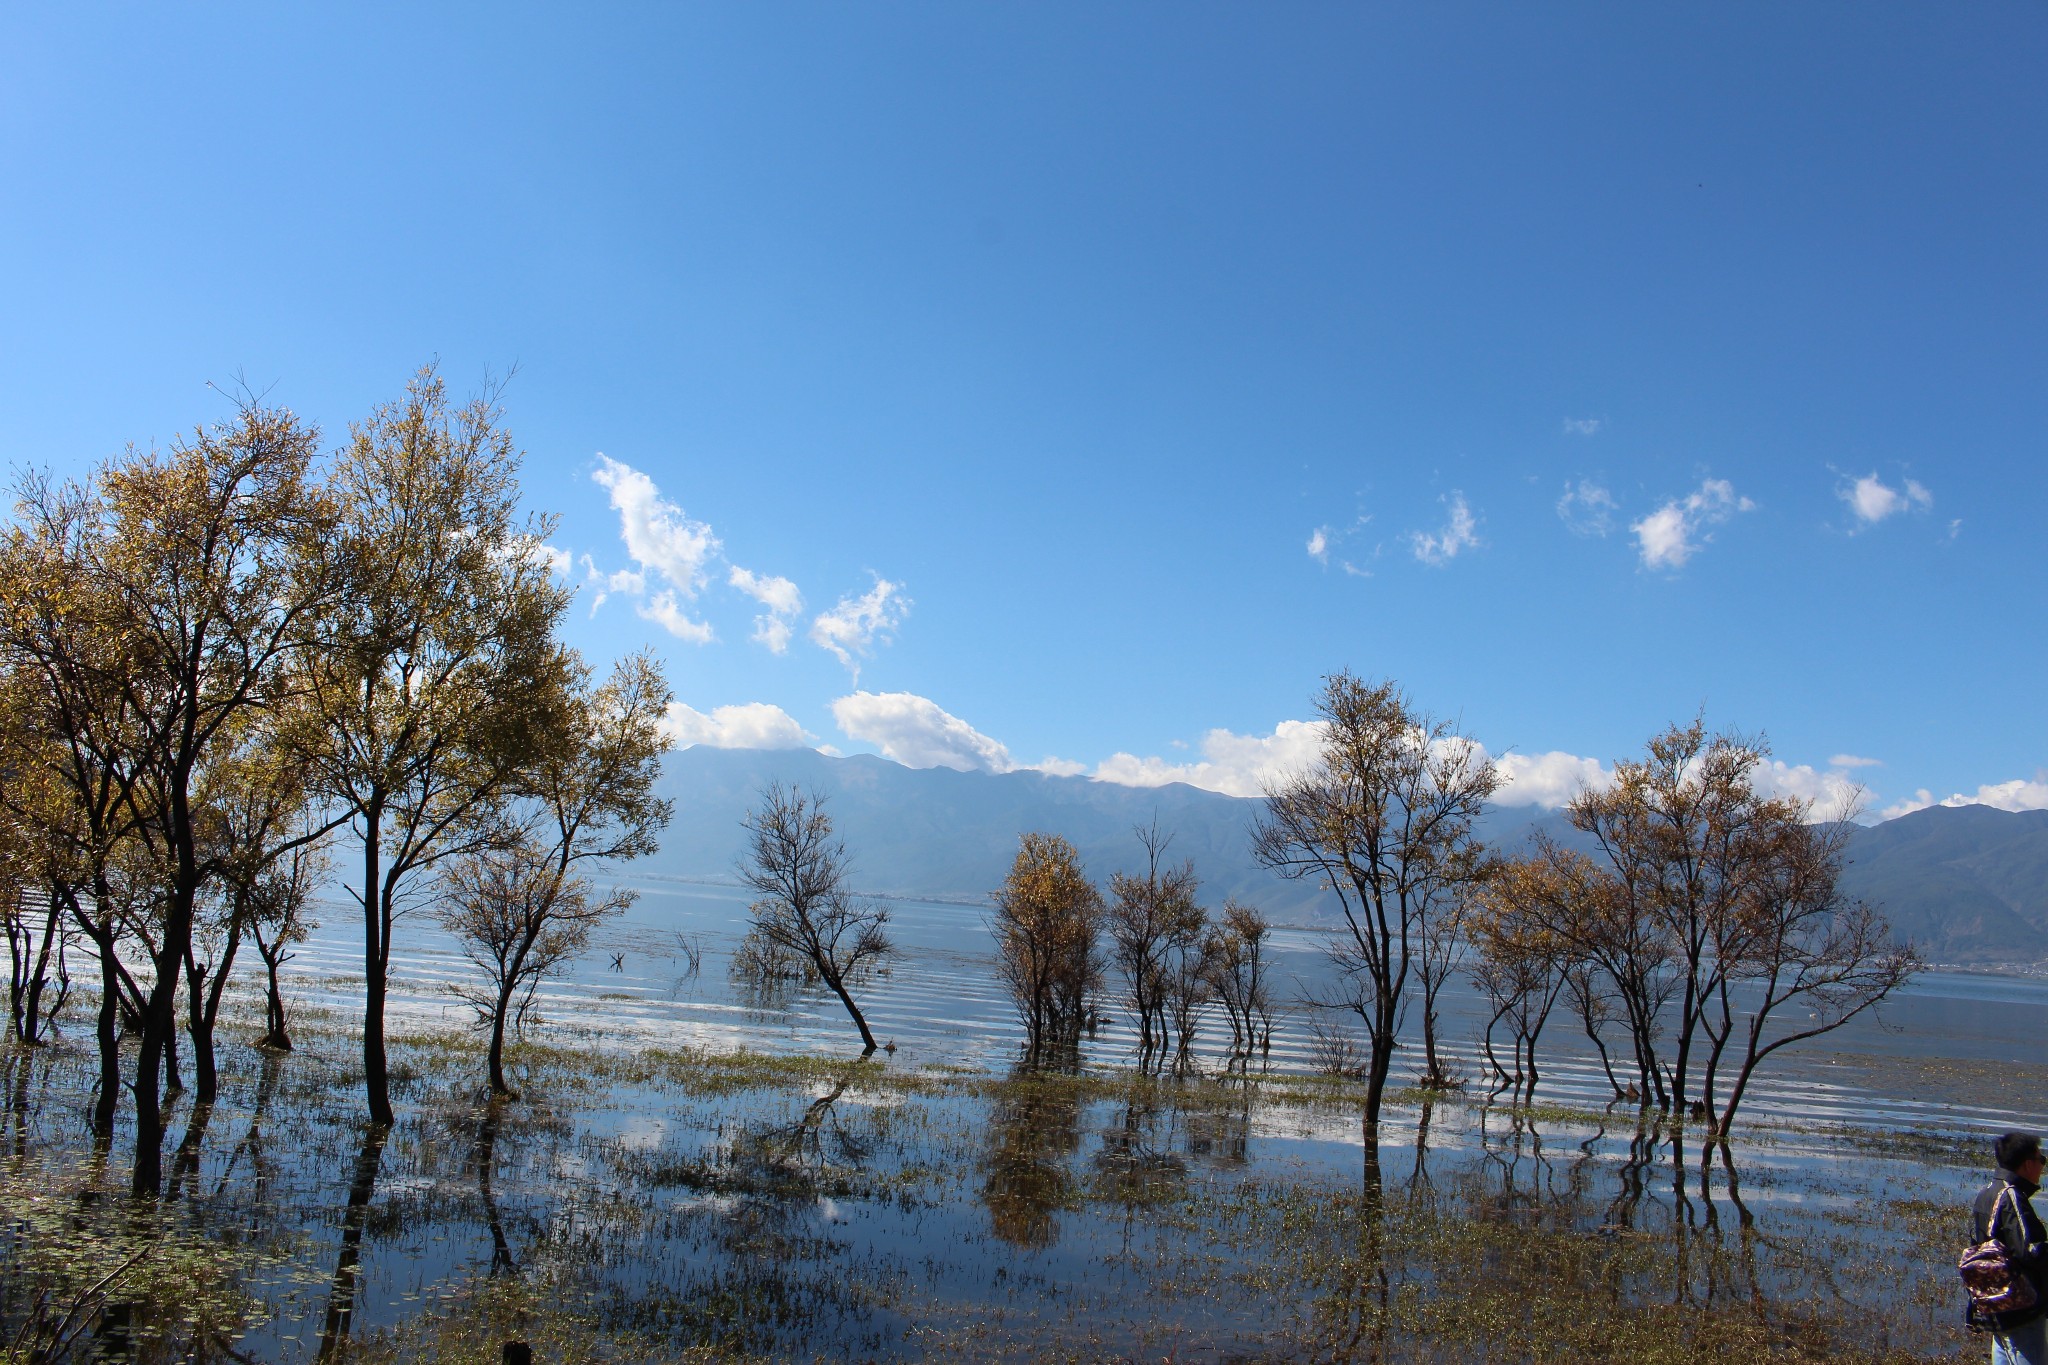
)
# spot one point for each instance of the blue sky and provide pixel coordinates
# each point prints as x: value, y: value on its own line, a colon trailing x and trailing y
x: 1092, y: 379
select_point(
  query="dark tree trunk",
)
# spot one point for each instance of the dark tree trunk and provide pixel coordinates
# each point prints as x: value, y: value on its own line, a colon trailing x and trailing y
x: 376, y: 956
x: 497, y: 1054
x: 107, y: 1032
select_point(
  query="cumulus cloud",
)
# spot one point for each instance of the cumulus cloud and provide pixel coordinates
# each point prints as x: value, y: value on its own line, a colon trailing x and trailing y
x: 1057, y: 767
x: 1831, y: 794
x: 1547, y: 780
x: 2016, y: 795
x: 1854, y: 761
x: 1234, y: 764
x: 1582, y: 426
x: 665, y: 611
x: 1319, y: 545
x: 1871, y: 499
x: 1672, y: 534
x: 851, y: 629
x: 918, y: 733
x: 1459, y: 533
x: 754, y: 725
x: 657, y: 533
x: 780, y: 596
x: 1587, y: 508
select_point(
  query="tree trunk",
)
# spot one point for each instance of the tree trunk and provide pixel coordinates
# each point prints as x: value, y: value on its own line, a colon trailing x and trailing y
x: 108, y: 1034
x: 205, y: 995
x: 859, y: 1021
x: 376, y: 953
x: 200, y: 1029
x: 497, y: 1066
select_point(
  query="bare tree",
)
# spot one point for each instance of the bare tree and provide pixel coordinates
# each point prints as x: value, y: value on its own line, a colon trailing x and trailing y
x: 518, y: 918
x: 278, y: 920
x: 585, y: 795
x: 806, y: 909
x: 1796, y: 941
x: 1046, y: 924
x: 1383, y: 821
x: 1596, y: 914
x: 1155, y: 928
x: 1442, y: 927
x: 1239, y: 975
x: 1521, y: 967
x: 1715, y: 906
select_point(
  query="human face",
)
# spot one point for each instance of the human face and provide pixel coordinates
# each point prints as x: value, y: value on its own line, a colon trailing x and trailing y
x: 2031, y: 1168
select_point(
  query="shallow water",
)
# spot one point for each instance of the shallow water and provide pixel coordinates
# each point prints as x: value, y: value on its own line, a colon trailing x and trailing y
x: 940, y: 1003
x: 871, y: 1211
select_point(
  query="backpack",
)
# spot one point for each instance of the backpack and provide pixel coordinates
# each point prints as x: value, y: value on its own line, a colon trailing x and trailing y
x: 1995, y: 1284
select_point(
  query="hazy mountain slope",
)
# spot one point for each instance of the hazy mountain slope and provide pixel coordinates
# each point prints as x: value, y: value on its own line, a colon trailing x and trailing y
x: 936, y: 832
x: 1967, y: 884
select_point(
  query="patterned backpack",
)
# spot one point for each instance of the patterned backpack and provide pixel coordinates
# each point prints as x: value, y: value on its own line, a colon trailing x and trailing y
x: 1996, y: 1286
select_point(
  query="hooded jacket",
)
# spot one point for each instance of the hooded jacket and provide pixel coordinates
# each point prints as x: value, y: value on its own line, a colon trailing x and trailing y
x: 2024, y: 1238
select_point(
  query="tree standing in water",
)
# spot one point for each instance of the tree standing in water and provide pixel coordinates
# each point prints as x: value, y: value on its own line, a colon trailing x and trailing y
x: 806, y: 910
x: 1383, y: 821
x: 1048, y: 917
x: 520, y: 906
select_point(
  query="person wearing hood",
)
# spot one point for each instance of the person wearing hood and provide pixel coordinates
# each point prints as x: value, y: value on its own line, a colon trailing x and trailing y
x: 2004, y: 1209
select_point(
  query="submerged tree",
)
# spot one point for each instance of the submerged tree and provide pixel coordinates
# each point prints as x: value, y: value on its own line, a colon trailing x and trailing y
x: 521, y: 906
x: 437, y: 673
x: 1383, y: 821
x: 1712, y: 906
x: 1156, y: 937
x: 1239, y: 975
x: 1520, y: 970
x: 279, y: 902
x: 1046, y: 923
x: 518, y: 919
x: 806, y: 911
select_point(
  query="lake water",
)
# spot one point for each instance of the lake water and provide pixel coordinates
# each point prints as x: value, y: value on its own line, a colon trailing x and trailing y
x: 850, y: 1215
x: 940, y: 1002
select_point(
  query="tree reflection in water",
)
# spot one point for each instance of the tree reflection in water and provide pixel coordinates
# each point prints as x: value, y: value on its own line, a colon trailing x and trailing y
x: 1034, y: 1128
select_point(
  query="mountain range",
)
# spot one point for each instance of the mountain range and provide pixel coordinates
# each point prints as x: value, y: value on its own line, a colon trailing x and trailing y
x: 1968, y: 884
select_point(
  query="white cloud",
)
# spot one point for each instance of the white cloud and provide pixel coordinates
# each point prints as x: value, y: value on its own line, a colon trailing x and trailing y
x: 1319, y: 545
x: 777, y: 594
x: 657, y: 533
x: 1236, y: 765
x: 1587, y: 508
x: 850, y: 629
x: 1831, y: 795
x: 1057, y: 767
x: 1872, y: 499
x: 1672, y: 534
x: 663, y: 609
x: 1854, y: 761
x: 629, y: 581
x: 1547, y: 780
x: 560, y: 563
x: 1582, y: 426
x: 1458, y: 534
x: 918, y: 733
x: 754, y: 725
x: 2018, y: 794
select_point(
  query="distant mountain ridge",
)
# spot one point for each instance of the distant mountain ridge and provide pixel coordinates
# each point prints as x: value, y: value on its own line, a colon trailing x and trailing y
x: 1967, y: 884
